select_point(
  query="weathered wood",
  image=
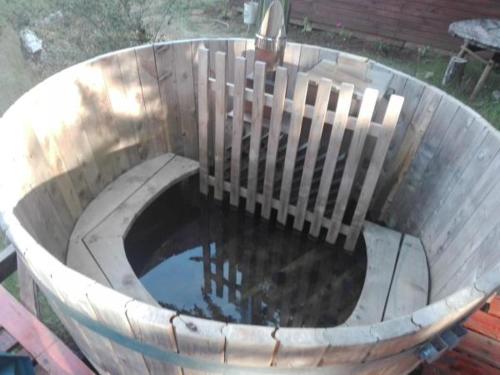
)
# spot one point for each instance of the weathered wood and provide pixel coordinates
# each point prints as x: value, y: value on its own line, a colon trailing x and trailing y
x: 256, y: 133
x: 410, y: 284
x: 28, y: 294
x: 380, y: 269
x: 292, y: 145
x: 454, y: 71
x: 238, y: 127
x: 315, y: 133
x: 377, y: 159
x: 44, y: 347
x: 355, y: 149
x: 280, y: 87
x: 203, y: 118
x: 336, y: 137
x: 220, y: 118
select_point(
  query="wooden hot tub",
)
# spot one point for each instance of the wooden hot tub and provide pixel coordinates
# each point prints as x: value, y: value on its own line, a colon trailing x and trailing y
x: 65, y: 141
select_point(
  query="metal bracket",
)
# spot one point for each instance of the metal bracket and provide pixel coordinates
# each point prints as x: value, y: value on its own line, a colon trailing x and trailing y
x: 446, y: 340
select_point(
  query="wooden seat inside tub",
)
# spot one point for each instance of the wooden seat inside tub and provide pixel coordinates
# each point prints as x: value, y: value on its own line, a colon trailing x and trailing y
x: 397, y: 276
x: 96, y: 247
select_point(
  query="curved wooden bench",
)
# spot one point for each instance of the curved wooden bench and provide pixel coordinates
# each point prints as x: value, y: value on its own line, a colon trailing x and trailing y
x: 96, y: 247
x: 397, y: 276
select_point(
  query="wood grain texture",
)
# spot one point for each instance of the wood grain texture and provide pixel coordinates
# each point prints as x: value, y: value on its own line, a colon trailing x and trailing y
x: 255, y: 134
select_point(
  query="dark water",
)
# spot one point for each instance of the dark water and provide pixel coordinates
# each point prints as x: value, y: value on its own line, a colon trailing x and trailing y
x: 207, y: 260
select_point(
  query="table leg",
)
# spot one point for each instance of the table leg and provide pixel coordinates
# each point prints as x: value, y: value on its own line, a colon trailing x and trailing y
x: 486, y: 72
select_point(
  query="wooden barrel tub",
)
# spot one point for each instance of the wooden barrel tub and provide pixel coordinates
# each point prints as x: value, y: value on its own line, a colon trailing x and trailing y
x: 75, y: 133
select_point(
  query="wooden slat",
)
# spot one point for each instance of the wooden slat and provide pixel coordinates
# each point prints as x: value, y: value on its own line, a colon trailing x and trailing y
x: 185, y: 97
x: 495, y: 307
x: 382, y: 248
x: 256, y: 133
x: 156, y: 120
x: 292, y: 144
x: 373, y: 173
x: 417, y: 127
x: 220, y: 118
x: 336, y: 137
x: 484, y: 324
x: 237, y: 132
x: 439, y: 227
x: 353, y: 159
x: 275, y: 128
x: 199, y: 339
x: 203, y: 117
x: 38, y: 341
x: 410, y: 285
x: 483, y: 348
x: 110, y: 310
x: 453, y: 362
x: 152, y: 326
x: 28, y: 294
x: 165, y: 64
x: 313, y: 143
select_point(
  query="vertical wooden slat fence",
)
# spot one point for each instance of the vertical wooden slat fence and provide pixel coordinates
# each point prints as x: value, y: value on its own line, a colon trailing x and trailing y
x: 306, y: 180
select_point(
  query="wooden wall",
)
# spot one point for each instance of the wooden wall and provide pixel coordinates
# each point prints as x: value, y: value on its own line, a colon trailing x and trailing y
x: 424, y: 22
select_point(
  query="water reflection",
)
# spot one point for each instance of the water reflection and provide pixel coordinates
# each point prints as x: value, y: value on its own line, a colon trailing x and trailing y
x: 205, y: 260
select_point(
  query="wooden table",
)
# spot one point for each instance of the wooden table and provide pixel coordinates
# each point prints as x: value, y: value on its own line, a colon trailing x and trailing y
x: 478, y: 35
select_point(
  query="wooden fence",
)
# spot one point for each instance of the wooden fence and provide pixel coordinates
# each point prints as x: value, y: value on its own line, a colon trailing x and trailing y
x: 423, y: 22
x: 290, y: 160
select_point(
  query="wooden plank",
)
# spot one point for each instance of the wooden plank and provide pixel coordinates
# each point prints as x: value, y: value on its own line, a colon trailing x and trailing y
x: 7, y: 262
x: 185, y: 97
x: 461, y: 142
x: 411, y: 90
x: 439, y: 227
x: 495, y: 307
x: 405, y: 197
x: 165, y: 65
x: 410, y: 285
x: 483, y: 348
x: 110, y: 310
x: 353, y: 159
x: 135, y: 117
x: 203, y: 116
x: 484, y: 324
x: 275, y: 128
x: 336, y: 137
x: 152, y: 326
x: 382, y: 249
x: 453, y: 362
x: 292, y: 145
x: 156, y: 119
x: 42, y: 344
x: 373, y: 172
x: 424, y: 113
x: 313, y: 143
x: 28, y: 294
x: 201, y: 339
x: 256, y: 134
x: 237, y: 132
x: 220, y: 118
x: 248, y: 345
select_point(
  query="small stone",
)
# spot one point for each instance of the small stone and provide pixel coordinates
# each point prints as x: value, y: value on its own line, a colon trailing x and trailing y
x: 428, y: 75
x: 32, y: 44
x: 496, y: 95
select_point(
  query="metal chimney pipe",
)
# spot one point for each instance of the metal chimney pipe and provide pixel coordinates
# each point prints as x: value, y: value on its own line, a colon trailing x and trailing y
x: 270, y: 39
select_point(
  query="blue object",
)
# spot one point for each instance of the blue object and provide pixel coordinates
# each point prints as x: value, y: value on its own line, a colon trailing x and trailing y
x: 11, y: 364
